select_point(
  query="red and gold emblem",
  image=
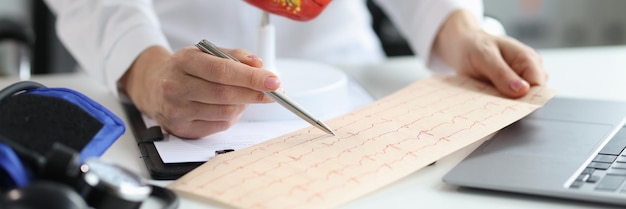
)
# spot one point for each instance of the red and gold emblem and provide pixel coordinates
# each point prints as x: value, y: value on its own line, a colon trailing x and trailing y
x: 301, y: 10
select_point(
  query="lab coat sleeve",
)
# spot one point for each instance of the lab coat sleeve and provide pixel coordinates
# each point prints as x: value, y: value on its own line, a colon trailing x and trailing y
x: 105, y: 36
x: 420, y: 20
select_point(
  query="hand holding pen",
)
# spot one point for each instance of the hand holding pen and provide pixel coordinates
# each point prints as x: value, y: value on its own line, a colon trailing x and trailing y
x: 278, y: 96
x: 191, y: 94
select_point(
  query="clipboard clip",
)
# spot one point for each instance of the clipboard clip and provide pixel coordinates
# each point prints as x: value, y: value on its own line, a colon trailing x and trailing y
x: 224, y: 151
x: 151, y: 134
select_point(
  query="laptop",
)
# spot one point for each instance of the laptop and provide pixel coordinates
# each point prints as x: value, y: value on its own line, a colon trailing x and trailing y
x: 570, y: 148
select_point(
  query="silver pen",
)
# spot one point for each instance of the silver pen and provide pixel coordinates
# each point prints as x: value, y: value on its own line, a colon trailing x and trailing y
x: 278, y: 96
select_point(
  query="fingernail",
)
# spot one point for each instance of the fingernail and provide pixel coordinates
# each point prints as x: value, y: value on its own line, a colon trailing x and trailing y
x: 254, y: 57
x: 517, y: 85
x: 272, y: 82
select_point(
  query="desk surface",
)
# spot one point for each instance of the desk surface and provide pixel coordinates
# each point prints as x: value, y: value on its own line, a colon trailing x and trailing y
x: 596, y: 73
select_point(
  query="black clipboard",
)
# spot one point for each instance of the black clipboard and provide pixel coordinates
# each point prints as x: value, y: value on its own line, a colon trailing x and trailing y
x: 145, y: 138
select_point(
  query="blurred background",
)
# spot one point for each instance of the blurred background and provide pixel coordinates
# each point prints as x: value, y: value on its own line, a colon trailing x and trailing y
x: 540, y: 23
x: 28, y: 39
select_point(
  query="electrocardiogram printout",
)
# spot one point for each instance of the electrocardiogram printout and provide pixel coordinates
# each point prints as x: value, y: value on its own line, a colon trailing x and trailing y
x: 374, y: 146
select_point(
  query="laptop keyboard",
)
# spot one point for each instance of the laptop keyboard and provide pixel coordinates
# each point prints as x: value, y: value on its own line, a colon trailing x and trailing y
x: 607, y: 171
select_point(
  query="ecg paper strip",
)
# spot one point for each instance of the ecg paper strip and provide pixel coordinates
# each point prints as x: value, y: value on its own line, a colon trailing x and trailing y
x: 374, y: 146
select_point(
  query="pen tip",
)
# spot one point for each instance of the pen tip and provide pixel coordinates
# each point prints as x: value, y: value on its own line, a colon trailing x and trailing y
x: 330, y: 131
x: 325, y: 128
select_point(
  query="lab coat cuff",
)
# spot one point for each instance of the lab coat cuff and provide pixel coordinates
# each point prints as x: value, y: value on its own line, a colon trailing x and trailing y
x: 430, y: 28
x: 127, y: 49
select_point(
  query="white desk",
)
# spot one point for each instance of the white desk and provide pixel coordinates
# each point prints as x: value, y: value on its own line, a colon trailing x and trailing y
x: 598, y: 73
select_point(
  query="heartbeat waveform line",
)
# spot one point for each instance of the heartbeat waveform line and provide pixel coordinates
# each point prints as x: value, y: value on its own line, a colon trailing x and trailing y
x: 384, y: 151
x: 369, y: 156
x: 214, y: 168
x: 378, y: 136
x: 250, y: 153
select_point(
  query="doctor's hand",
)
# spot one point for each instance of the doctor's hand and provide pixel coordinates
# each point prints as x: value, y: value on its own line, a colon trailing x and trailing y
x: 192, y: 94
x: 506, y: 63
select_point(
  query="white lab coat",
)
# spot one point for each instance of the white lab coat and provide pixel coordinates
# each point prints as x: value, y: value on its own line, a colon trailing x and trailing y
x: 105, y: 36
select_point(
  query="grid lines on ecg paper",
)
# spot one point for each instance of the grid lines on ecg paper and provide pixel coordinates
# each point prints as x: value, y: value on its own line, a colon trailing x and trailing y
x: 374, y: 146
